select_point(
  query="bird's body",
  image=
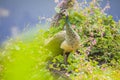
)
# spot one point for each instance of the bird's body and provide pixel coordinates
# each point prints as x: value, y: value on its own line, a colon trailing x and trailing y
x: 53, y: 43
x: 59, y: 38
x: 67, y: 40
x: 71, y: 42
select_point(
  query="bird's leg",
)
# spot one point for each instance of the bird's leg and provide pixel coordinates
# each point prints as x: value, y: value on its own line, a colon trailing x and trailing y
x: 66, y: 54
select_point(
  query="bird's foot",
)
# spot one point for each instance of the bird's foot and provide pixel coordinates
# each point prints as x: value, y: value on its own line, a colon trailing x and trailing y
x: 66, y: 54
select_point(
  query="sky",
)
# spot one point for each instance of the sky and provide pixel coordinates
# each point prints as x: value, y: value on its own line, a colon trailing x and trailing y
x: 15, y: 15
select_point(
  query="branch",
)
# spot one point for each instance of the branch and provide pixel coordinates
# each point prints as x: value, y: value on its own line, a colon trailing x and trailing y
x: 63, y: 6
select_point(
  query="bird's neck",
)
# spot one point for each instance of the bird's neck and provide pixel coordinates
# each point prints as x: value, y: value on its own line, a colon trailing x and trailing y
x: 69, y: 29
x: 70, y: 33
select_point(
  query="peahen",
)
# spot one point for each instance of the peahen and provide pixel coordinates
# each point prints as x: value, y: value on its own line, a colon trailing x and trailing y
x: 67, y: 40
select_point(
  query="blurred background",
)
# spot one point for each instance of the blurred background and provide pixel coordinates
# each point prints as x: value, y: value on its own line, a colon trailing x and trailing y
x: 16, y: 15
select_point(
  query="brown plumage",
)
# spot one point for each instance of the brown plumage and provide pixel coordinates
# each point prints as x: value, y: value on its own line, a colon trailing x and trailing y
x: 67, y: 40
x: 71, y: 42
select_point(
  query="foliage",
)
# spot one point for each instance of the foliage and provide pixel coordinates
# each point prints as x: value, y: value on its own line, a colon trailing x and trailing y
x: 100, y: 45
x: 98, y: 31
x: 98, y: 57
x: 81, y: 69
x: 25, y: 61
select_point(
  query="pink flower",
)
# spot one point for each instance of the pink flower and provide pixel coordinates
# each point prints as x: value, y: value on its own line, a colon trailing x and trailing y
x: 73, y: 26
x: 94, y: 42
x: 91, y: 34
x: 102, y: 34
x: 88, y: 50
x: 91, y: 38
x: 56, y: 1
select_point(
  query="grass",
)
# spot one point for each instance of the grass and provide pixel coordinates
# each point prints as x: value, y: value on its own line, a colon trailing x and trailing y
x: 21, y: 60
x: 98, y: 58
x: 24, y: 61
x: 28, y: 61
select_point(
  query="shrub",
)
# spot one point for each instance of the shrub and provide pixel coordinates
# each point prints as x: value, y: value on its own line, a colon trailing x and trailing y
x: 98, y: 57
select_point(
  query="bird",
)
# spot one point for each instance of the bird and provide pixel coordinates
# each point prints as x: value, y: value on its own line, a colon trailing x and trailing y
x: 67, y: 40
x: 71, y: 42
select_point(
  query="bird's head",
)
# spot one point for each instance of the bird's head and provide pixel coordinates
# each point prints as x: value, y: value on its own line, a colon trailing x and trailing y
x: 66, y: 14
x: 66, y: 17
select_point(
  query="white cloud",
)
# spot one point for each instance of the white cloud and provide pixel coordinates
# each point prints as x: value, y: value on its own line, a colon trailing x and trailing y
x: 4, y: 12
